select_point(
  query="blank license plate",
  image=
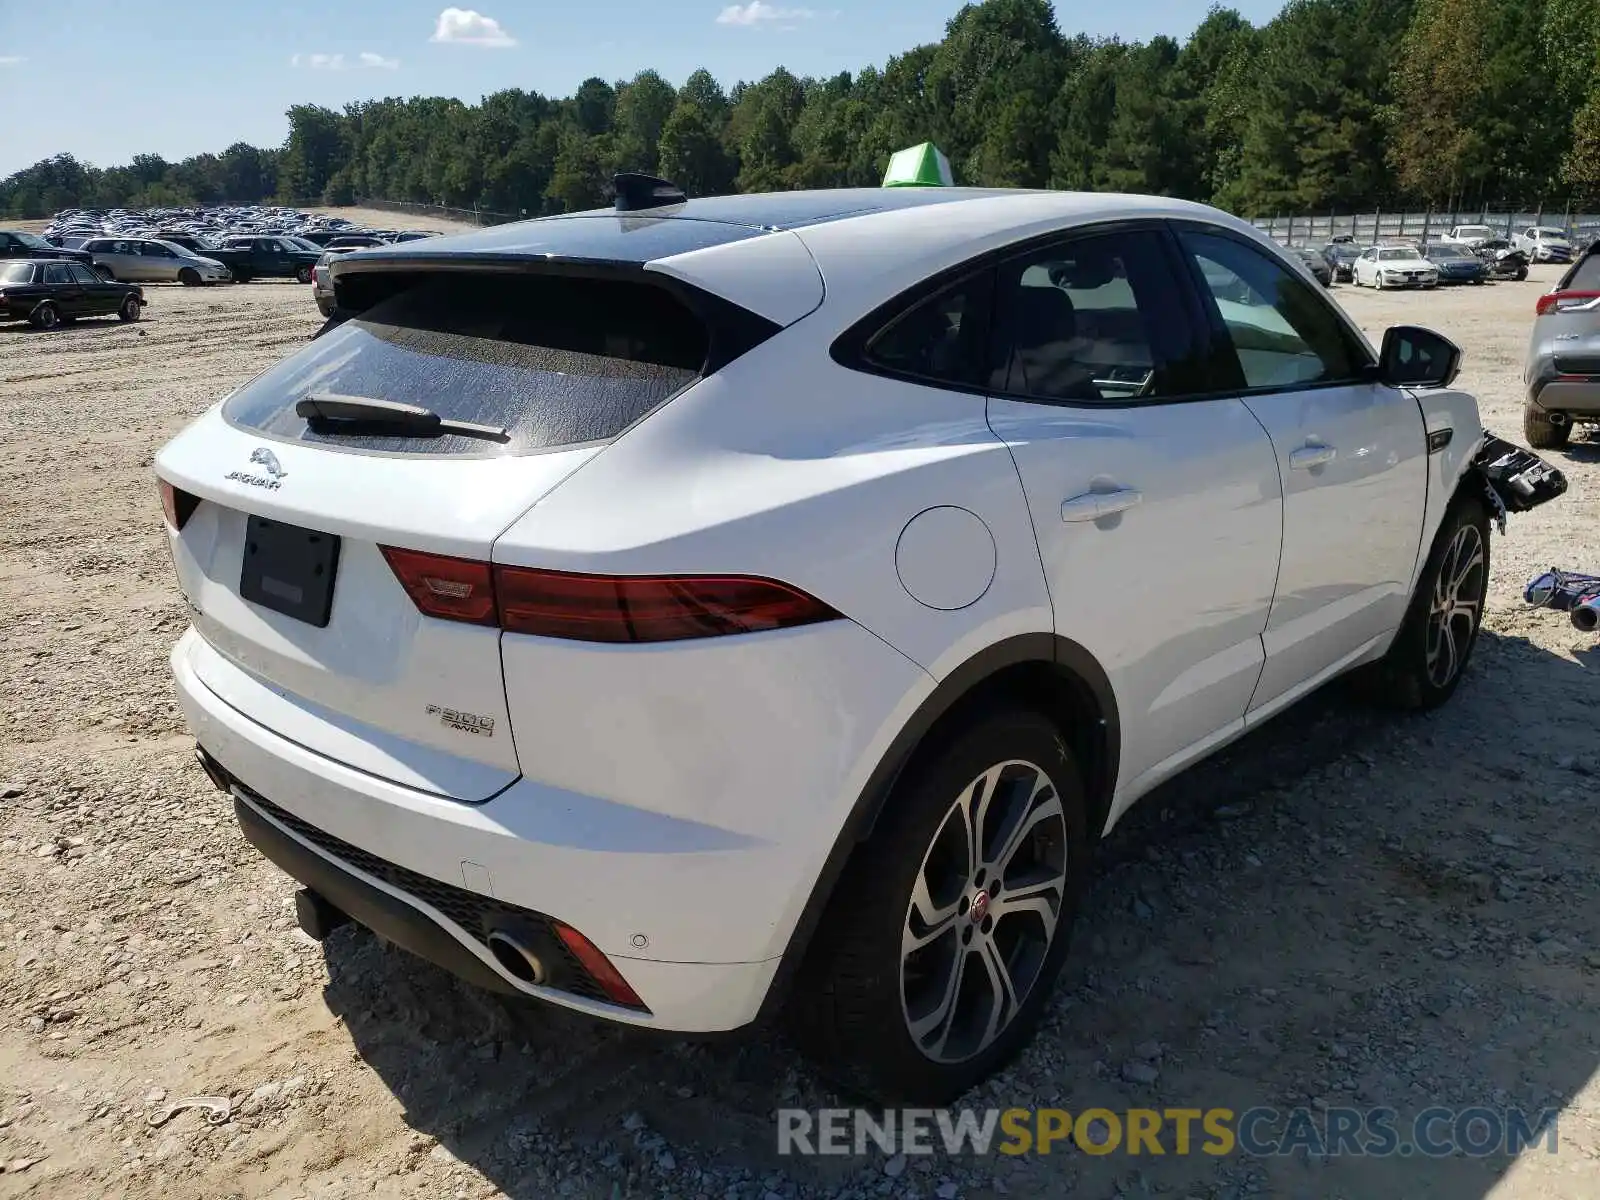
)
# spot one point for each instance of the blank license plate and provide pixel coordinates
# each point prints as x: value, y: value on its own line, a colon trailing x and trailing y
x: 289, y: 570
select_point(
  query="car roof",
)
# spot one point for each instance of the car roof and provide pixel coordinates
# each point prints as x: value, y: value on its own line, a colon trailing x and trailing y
x: 843, y: 234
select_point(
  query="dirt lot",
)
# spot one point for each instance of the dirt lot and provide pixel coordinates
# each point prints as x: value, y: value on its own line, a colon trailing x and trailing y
x: 1345, y: 910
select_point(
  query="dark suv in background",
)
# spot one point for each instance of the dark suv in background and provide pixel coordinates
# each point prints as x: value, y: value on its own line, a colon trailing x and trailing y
x: 1563, y: 369
x: 16, y: 244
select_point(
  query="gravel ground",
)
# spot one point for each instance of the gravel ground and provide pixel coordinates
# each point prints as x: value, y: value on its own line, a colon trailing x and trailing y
x: 1346, y: 909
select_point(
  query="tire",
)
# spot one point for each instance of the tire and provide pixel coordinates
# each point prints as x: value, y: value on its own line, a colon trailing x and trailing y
x: 241, y: 276
x: 1522, y: 274
x: 189, y: 277
x: 862, y: 989
x: 131, y: 309
x: 1430, y: 653
x: 302, y: 275
x: 1541, y: 432
x: 44, y: 316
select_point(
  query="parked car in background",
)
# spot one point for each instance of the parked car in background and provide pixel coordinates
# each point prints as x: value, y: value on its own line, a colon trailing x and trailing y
x: 412, y: 235
x: 45, y: 292
x: 1544, y: 243
x: 1456, y: 264
x: 356, y: 241
x: 1394, y: 266
x: 1315, y: 263
x: 1341, y: 259
x: 16, y: 244
x: 150, y: 260
x: 1562, y: 372
x: 322, y: 279
x: 1505, y: 260
x: 1469, y: 236
x: 648, y: 463
x: 272, y: 258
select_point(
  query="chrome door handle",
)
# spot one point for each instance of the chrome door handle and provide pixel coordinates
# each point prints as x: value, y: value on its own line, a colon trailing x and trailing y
x: 1091, y: 506
x: 1307, y: 457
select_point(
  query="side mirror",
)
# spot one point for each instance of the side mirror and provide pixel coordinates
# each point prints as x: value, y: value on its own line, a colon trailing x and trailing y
x: 1417, y: 357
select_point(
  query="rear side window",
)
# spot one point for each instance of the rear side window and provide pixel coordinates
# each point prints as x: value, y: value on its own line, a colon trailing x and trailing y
x: 556, y: 361
x: 939, y: 340
x: 16, y: 272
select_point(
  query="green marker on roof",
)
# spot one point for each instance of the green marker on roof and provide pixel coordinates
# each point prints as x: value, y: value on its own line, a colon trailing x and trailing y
x: 919, y: 166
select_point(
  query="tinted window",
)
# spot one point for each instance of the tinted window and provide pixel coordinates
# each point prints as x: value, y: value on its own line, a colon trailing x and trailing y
x: 97, y: 245
x: 57, y: 273
x: 154, y: 250
x: 1094, y: 320
x: 16, y: 273
x: 1584, y: 276
x: 1282, y: 329
x: 82, y: 274
x: 556, y: 361
x: 940, y: 339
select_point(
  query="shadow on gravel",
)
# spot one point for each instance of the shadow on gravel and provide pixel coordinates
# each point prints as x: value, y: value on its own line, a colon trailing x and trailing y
x: 1344, y: 910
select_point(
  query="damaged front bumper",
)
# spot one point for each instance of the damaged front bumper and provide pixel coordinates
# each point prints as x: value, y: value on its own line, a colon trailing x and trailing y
x: 1515, y: 480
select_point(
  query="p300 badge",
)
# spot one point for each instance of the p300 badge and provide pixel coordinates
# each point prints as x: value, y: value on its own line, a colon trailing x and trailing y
x: 462, y: 722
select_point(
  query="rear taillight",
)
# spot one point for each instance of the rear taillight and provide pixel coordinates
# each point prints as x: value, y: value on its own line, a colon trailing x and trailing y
x: 601, y: 608
x: 599, y: 966
x: 453, y: 589
x: 177, y: 505
x: 316, y: 274
x: 1552, y: 302
x: 605, y: 608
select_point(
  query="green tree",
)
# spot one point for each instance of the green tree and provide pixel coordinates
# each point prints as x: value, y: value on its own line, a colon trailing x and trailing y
x: 643, y: 106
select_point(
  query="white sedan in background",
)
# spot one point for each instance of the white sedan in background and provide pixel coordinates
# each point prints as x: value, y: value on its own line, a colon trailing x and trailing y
x: 1394, y: 266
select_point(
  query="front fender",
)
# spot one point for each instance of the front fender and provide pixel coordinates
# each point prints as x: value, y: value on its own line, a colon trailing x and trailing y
x: 1454, y: 432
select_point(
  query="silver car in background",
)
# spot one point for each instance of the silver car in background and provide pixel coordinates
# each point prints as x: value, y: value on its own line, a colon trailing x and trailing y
x: 151, y: 260
x: 1563, y: 369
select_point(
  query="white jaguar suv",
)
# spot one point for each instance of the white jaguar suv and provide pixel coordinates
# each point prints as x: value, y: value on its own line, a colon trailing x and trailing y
x: 680, y: 609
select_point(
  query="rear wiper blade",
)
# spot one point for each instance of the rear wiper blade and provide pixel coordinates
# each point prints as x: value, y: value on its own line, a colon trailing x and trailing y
x: 391, y: 416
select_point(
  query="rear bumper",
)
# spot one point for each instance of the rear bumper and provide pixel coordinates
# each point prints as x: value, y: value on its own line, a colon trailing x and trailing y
x: 632, y: 882
x: 1568, y: 396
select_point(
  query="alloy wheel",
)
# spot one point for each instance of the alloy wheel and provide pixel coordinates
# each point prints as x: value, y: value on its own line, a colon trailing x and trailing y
x: 984, y: 911
x: 1457, y: 605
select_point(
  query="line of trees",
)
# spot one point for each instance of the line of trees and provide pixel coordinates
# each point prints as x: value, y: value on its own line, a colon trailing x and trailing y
x: 1334, y: 104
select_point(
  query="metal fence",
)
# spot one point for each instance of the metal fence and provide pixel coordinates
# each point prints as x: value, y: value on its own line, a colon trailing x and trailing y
x: 1368, y: 228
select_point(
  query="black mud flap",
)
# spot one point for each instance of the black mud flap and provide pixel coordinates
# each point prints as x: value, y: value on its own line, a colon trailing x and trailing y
x: 1514, y: 479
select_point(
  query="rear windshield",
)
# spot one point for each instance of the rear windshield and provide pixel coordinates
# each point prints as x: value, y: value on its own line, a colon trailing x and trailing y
x: 1584, y: 276
x: 556, y: 361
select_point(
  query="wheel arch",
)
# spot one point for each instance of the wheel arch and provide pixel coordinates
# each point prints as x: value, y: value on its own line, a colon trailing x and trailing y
x: 1051, y: 674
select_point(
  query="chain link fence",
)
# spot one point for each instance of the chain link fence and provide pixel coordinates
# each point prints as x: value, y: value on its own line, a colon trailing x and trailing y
x: 1369, y: 228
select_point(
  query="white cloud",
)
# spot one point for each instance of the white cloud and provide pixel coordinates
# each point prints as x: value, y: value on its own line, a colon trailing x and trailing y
x: 11, y: 60
x: 466, y: 27
x: 366, y: 60
x: 758, y: 12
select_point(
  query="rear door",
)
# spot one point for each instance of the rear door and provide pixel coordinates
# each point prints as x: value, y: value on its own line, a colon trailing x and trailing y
x: 1157, y: 508
x: 318, y: 551
x: 1352, y: 455
x: 100, y: 297
x: 70, y: 298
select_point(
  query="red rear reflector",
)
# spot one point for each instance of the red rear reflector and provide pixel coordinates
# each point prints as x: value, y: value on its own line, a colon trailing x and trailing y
x: 598, y: 965
x: 177, y: 505
x: 456, y: 589
x: 1560, y: 301
x: 605, y: 608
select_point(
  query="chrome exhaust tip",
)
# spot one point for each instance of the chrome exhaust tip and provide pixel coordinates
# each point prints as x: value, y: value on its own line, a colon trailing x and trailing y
x: 512, y: 954
x: 1558, y: 418
x: 1586, y: 616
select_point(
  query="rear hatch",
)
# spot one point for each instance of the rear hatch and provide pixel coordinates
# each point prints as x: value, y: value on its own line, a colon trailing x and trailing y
x: 1573, y: 330
x: 426, y: 425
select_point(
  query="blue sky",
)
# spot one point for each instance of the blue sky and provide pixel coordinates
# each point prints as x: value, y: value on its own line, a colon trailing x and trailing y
x: 177, y: 77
